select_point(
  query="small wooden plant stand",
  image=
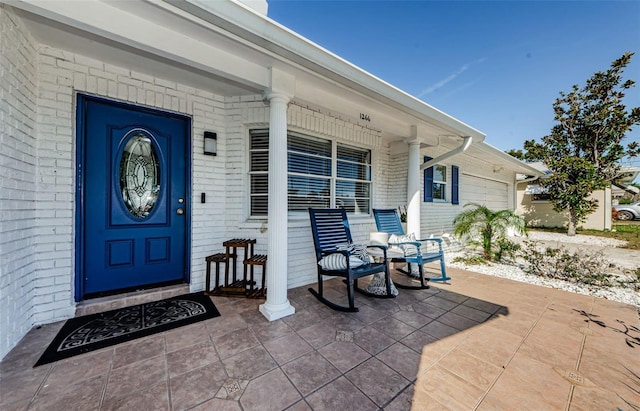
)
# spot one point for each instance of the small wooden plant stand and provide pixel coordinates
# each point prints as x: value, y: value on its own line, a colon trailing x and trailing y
x: 234, y: 286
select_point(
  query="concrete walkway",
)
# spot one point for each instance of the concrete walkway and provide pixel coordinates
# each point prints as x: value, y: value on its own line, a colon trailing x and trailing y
x: 480, y: 342
x: 547, y: 350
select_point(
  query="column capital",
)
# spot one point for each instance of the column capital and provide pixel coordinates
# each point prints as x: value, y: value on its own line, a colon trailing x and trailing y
x: 277, y: 96
x: 424, y: 135
x: 282, y: 85
x: 412, y: 141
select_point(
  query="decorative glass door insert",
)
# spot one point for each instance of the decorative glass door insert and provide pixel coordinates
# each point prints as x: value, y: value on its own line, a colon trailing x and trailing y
x: 139, y: 175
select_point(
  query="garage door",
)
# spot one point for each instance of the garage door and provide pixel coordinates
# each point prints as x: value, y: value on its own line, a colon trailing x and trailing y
x: 493, y: 194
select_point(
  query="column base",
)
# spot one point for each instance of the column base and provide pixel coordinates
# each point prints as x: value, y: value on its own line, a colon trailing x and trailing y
x: 275, y: 312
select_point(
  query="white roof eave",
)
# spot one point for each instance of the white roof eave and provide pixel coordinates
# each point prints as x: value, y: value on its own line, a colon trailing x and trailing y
x: 133, y: 25
x: 112, y: 23
x: 264, y: 32
x: 504, y: 158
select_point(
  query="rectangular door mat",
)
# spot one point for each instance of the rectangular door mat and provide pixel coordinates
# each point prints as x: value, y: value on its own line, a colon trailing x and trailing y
x: 91, y: 332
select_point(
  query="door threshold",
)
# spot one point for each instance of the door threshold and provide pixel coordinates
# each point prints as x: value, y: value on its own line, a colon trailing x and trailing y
x: 112, y: 302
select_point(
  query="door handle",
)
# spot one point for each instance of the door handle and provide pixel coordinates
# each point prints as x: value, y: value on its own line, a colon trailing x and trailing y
x: 180, y: 211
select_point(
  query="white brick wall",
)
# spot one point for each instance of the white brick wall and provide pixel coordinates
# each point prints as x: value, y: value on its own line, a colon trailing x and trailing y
x: 53, y: 293
x: 18, y: 68
x: 37, y: 162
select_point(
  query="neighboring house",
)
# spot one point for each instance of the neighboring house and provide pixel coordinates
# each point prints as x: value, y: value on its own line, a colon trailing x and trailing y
x: 617, y: 193
x: 137, y: 136
x: 534, y: 205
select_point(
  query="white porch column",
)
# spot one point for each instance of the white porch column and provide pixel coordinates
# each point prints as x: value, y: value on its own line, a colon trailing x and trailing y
x: 277, y: 305
x: 413, y: 188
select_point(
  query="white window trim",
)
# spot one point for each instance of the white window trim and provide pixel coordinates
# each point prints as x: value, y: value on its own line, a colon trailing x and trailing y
x: 447, y: 186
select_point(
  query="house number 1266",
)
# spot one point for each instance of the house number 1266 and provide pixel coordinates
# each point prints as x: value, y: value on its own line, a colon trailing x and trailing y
x: 365, y: 117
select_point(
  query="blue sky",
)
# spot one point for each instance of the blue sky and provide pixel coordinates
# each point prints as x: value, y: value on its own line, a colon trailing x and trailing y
x: 495, y: 65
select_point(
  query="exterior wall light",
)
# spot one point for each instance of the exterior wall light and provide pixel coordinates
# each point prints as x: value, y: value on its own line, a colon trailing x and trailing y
x: 210, y: 143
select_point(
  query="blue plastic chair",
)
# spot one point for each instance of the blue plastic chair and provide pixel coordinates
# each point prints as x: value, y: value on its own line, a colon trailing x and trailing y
x: 388, y: 221
x: 330, y: 229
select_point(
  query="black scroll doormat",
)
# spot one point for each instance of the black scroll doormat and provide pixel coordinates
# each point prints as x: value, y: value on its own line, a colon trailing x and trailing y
x: 91, y: 332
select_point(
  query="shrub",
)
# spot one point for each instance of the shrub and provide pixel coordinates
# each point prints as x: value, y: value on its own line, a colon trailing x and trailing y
x: 631, y: 279
x: 506, y: 248
x: 471, y: 260
x: 614, y: 214
x: 559, y: 263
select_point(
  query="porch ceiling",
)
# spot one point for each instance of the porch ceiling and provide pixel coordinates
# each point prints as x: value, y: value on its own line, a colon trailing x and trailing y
x: 128, y: 54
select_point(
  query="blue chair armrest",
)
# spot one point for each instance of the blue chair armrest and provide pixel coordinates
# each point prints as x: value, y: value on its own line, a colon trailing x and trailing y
x: 413, y: 243
x: 436, y: 239
x: 380, y: 246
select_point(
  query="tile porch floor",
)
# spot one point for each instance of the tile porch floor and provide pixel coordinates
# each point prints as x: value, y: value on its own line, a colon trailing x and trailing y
x: 478, y: 343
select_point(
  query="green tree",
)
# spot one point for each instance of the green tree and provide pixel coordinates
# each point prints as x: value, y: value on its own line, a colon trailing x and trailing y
x: 584, y: 149
x: 485, y: 227
x: 516, y: 153
x: 531, y: 152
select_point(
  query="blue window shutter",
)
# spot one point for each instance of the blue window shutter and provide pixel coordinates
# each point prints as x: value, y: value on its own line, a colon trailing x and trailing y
x: 428, y: 182
x: 455, y: 185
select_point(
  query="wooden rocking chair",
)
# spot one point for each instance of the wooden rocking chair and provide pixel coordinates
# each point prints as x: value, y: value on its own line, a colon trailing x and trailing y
x: 388, y: 221
x: 334, y: 253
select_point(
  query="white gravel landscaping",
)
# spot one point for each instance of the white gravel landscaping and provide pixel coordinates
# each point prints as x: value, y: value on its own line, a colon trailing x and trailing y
x: 592, y: 240
x: 515, y: 272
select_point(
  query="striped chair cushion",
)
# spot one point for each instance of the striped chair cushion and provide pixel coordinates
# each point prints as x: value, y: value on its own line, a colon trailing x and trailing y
x: 339, y: 262
x: 356, y: 250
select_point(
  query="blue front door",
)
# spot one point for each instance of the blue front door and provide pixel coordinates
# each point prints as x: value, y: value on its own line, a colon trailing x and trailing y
x: 134, y: 212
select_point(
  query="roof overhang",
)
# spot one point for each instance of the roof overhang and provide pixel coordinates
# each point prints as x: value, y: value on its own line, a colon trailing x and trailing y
x: 292, y: 47
x: 628, y: 174
x: 500, y: 159
x: 228, y: 48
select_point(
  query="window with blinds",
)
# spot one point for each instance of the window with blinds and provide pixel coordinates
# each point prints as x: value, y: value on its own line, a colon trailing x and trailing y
x: 353, y: 179
x: 309, y: 166
x: 259, y: 168
x: 313, y: 181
